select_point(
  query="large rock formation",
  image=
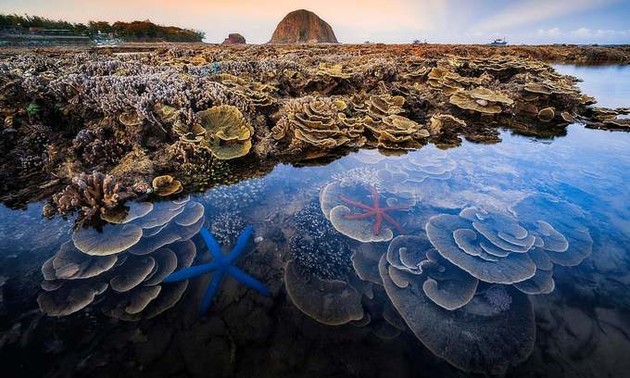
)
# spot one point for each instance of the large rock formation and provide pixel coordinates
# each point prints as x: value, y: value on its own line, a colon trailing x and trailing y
x: 234, y: 39
x: 302, y: 26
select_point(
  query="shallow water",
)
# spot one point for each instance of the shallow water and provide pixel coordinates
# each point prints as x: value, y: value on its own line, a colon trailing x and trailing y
x: 609, y: 83
x: 563, y: 200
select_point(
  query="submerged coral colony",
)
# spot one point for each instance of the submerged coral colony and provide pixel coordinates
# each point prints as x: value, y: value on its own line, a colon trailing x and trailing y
x: 176, y: 120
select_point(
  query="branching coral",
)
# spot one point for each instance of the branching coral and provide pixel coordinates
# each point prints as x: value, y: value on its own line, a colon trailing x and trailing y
x: 95, y: 194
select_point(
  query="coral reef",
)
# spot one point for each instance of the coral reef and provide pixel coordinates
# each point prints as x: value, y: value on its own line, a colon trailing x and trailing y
x: 317, y: 249
x: 166, y: 185
x: 94, y: 194
x: 339, y: 199
x: 124, y: 264
x: 182, y: 110
x: 467, y: 337
x: 227, y: 133
x: 226, y: 226
x: 316, y: 276
x: 446, y: 285
x: 505, y: 249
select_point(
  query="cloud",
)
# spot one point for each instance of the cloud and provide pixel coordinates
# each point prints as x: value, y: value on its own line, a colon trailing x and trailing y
x: 600, y: 33
x: 553, y: 32
x: 531, y: 11
x: 582, y: 32
x: 579, y: 35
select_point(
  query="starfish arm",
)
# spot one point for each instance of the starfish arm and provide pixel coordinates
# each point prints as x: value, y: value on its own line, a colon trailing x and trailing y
x: 358, y: 204
x: 208, y: 296
x: 369, y: 214
x: 212, y: 244
x: 241, y: 245
x: 393, y: 222
x: 376, y: 228
x: 191, y: 272
x: 375, y: 200
x: 248, y: 280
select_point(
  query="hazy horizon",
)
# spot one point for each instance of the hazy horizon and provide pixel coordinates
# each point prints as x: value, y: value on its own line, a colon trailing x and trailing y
x: 354, y: 21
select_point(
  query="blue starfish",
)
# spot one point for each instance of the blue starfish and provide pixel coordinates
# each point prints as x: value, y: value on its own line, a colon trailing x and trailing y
x: 221, y: 265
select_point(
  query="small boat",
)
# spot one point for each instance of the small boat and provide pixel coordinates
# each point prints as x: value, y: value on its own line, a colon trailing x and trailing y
x: 499, y: 42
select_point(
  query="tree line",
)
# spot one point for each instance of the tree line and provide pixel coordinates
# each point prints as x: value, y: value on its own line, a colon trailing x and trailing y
x: 127, y: 31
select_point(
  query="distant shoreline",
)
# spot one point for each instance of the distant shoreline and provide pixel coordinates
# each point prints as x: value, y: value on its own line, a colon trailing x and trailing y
x: 577, y: 54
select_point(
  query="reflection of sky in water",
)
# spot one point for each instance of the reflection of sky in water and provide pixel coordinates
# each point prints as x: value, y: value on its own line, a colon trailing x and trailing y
x: 578, y: 184
x: 26, y: 231
x: 609, y: 84
x: 581, y: 177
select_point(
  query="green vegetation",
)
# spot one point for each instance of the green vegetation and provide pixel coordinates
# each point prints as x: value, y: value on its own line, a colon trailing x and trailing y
x: 32, y: 109
x: 127, y: 31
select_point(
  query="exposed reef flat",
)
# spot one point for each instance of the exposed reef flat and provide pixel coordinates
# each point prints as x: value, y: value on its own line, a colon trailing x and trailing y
x: 202, y: 113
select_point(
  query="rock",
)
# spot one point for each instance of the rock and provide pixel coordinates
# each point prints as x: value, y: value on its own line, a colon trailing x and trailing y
x: 302, y: 26
x: 234, y: 39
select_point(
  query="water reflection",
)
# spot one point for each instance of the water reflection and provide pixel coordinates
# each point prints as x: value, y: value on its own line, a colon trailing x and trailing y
x: 611, y: 84
x: 486, y: 255
x: 474, y: 220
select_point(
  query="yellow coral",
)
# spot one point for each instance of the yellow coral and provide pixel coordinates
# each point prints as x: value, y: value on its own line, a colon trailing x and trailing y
x: 166, y: 185
x: 228, y: 134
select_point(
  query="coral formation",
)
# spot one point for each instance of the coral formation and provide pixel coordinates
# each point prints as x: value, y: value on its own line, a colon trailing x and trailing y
x: 335, y: 202
x: 316, y: 276
x: 183, y: 110
x: 164, y: 186
x: 226, y: 226
x: 317, y: 249
x: 227, y: 133
x: 95, y: 194
x: 413, y: 261
x: 131, y: 257
x: 476, y: 337
x: 331, y: 302
x: 500, y: 248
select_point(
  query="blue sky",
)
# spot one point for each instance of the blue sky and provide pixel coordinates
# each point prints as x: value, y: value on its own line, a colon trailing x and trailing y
x: 356, y: 21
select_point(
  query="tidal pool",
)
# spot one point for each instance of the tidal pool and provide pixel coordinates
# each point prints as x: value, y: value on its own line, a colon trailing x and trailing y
x: 608, y: 83
x: 505, y: 258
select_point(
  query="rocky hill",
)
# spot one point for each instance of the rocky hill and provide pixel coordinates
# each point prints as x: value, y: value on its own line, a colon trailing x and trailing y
x: 302, y: 26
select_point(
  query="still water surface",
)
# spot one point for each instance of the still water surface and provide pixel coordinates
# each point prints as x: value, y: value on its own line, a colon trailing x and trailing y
x: 506, y: 258
x: 608, y: 83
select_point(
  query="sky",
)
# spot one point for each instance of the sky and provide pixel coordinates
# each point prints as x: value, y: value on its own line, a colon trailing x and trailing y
x: 357, y: 21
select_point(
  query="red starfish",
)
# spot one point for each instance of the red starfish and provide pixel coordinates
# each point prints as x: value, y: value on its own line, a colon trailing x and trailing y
x: 376, y: 211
